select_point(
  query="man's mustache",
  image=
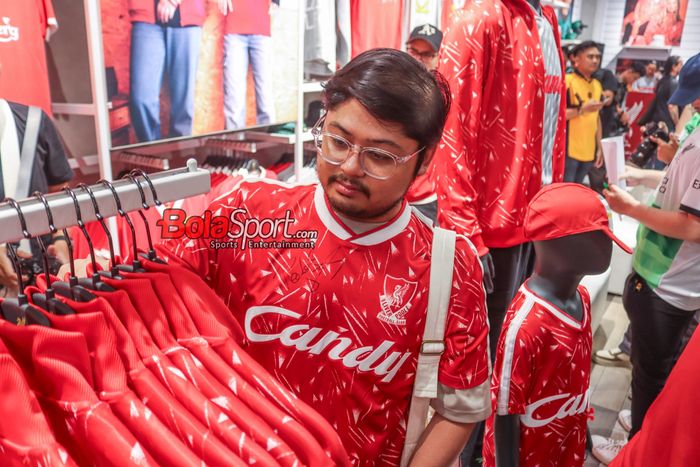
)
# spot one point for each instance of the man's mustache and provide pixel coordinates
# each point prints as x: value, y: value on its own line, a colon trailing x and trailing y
x: 349, y: 181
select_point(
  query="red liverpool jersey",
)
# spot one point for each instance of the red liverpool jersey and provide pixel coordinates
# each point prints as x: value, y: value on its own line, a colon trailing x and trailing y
x: 376, y: 23
x: 340, y: 322
x: 542, y: 373
x: 24, y: 77
x: 488, y: 164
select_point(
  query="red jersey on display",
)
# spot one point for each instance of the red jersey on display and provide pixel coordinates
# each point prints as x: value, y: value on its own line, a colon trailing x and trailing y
x: 25, y: 436
x: 376, y: 23
x: 488, y: 164
x: 192, y: 12
x: 57, y: 367
x: 669, y: 433
x: 249, y: 17
x: 24, y: 77
x: 542, y: 373
x: 340, y: 324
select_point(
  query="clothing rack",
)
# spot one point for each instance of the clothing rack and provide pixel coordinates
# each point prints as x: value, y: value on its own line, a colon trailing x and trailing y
x: 170, y: 185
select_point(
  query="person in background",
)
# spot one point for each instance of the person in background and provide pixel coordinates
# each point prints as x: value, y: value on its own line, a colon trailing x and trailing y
x: 660, y: 110
x: 165, y: 38
x: 49, y: 173
x: 612, y: 117
x: 647, y: 83
x: 424, y: 44
x: 663, y: 292
x: 247, y: 37
x: 584, y: 100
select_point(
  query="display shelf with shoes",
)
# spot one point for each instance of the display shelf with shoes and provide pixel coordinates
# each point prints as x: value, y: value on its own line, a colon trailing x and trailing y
x: 612, y: 357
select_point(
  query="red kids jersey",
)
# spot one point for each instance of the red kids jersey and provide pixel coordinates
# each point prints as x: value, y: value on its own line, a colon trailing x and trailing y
x: 23, y: 26
x: 542, y: 373
x: 339, y: 319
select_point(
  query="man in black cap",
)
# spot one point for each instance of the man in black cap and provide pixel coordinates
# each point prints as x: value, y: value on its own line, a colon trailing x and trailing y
x: 424, y: 44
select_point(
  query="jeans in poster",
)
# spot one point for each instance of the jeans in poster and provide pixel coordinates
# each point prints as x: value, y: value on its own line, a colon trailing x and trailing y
x: 239, y: 50
x: 156, y: 51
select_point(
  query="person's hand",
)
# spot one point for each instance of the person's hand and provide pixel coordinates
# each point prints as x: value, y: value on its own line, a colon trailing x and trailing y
x: 619, y: 200
x: 8, y: 277
x: 591, y: 106
x: 81, y: 267
x: 633, y: 176
x: 59, y: 249
x: 666, y: 150
x: 489, y: 272
x: 225, y: 6
x: 166, y: 10
x: 624, y: 118
x: 599, y: 159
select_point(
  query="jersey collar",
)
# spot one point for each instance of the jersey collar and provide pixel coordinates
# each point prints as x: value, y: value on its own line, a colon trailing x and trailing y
x: 561, y: 315
x: 375, y: 236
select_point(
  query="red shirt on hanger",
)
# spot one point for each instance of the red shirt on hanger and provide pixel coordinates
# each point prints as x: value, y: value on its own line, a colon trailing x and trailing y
x: 376, y: 23
x: 24, y: 76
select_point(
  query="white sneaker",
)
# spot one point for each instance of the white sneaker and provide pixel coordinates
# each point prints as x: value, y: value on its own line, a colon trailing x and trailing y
x: 612, y: 357
x: 625, y: 419
x: 606, y: 449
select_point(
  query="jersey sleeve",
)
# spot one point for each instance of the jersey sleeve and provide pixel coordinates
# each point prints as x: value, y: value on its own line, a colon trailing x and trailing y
x: 465, y: 362
x: 464, y: 62
x: 514, y: 367
x: 690, y: 202
x: 195, y: 254
x: 50, y: 147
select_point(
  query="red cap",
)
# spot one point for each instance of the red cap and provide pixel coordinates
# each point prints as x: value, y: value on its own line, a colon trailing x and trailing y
x: 562, y: 209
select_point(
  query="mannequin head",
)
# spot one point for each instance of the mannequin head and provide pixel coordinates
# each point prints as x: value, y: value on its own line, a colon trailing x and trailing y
x: 574, y: 255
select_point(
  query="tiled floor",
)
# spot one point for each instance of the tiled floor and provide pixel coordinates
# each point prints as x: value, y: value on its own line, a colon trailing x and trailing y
x: 610, y: 386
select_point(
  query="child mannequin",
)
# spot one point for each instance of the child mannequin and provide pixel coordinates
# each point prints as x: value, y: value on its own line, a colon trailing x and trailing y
x: 542, y: 370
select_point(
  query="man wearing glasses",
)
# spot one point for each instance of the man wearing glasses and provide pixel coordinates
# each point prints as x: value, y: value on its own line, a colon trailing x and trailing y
x: 340, y: 322
x: 424, y: 44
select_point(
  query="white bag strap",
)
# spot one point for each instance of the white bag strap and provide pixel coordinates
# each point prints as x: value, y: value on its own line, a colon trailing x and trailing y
x: 28, y: 153
x: 433, y: 345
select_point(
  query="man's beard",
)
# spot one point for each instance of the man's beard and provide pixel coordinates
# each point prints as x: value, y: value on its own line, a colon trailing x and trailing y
x: 359, y: 213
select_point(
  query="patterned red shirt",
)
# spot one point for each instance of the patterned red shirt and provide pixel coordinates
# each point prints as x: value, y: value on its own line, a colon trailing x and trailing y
x: 340, y: 324
x: 488, y: 164
x: 542, y: 373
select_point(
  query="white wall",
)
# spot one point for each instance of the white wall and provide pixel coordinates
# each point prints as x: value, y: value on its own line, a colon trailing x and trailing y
x: 607, y: 28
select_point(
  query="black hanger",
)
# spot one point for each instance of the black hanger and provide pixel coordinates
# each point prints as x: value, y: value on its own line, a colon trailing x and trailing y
x: 151, y: 255
x: 18, y: 310
x: 94, y: 283
x: 113, y: 272
x: 47, y: 300
x: 135, y: 263
x: 71, y: 289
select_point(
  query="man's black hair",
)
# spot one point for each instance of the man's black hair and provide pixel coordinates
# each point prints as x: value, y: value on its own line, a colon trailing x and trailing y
x: 671, y: 62
x: 638, y: 68
x: 394, y: 88
x: 585, y: 45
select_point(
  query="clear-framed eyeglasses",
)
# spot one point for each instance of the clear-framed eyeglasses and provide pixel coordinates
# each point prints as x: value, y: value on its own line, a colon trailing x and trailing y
x: 376, y: 163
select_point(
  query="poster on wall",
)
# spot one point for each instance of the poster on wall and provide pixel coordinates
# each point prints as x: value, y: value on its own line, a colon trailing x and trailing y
x: 177, y: 69
x: 654, y: 22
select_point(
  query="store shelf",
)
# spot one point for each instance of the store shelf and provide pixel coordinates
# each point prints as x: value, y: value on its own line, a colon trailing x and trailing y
x: 312, y: 86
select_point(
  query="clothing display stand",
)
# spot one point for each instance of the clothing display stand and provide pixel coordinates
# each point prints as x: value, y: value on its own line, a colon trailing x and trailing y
x: 170, y: 185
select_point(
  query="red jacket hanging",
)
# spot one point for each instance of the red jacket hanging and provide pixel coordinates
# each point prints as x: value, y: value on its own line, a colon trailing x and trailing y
x: 488, y: 163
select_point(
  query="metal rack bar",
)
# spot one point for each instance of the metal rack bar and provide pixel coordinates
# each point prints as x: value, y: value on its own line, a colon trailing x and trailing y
x: 170, y: 185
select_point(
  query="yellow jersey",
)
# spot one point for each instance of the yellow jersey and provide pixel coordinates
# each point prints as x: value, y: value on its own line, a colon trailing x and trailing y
x: 581, y: 130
